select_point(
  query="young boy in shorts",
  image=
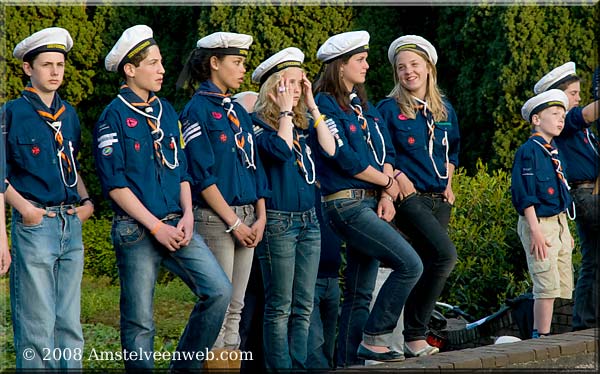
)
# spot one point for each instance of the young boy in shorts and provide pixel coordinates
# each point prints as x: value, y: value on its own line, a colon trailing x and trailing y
x: 540, y: 193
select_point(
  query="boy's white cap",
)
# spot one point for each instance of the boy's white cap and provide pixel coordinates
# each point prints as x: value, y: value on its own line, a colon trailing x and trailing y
x: 536, y: 104
x: 554, y: 78
x: 52, y: 39
x: 412, y: 42
x: 344, y: 44
x: 228, y: 43
x: 286, y: 58
x: 133, y: 40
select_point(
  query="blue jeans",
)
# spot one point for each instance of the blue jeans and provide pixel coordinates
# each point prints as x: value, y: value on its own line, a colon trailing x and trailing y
x: 289, y: 260
x: 139, y: 257
x: 323, y: 324
x: 45, y: 290
x: 585, y: 309
x: 424, y: 219
x: 370, y: 240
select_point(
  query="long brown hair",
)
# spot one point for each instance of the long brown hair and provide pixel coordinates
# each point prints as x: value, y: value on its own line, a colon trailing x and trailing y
x: 330, y: 81
x: 197, y: 68
x: 268, y: 111
x: 433, y: 95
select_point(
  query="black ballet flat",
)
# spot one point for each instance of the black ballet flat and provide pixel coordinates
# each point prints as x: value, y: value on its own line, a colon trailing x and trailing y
x: 365, y: 353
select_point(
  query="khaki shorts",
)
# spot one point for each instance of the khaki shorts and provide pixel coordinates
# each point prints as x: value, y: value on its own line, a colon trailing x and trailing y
x: 552, y: 277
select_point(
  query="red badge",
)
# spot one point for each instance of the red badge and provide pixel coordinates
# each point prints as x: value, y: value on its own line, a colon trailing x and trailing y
x: 353, y: 128
x: 585, y: 140
x: 223, y: 137
x: 131, y: 122
x: 551, y: 190
x: 172, y: 145
x: 216, y: 115
x: 136, y: 146
x: 402, y: 117
x: 411, y: 140
x: 35, y: 150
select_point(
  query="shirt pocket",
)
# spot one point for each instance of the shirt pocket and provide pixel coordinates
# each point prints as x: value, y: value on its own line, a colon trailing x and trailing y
x: 138, y: 151
x: 408, y: 138
x: 35, y: 154
x: 546, y: 186
x: 221, y: 137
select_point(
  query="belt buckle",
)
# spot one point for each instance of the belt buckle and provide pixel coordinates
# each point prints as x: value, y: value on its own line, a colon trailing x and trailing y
x: 361, y: 194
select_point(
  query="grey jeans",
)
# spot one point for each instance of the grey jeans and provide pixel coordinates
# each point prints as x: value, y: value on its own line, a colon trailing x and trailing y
x: 234, y: 258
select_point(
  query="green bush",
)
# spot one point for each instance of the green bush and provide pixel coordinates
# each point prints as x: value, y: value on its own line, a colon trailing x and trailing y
x: 491, y: 265
x: 99, y: 253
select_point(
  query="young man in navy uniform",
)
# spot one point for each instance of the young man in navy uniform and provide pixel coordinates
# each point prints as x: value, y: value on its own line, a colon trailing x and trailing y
x: 143, y: 171
x: 50, y: 202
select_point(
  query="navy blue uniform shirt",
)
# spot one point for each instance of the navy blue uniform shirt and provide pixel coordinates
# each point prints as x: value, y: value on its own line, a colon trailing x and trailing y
x: 125, y: 156
x: 353, y: 154
x: 535, y: 182
x: 290, y: 190
x: 578, y: 147
x: 411, y: 138
x: 32, y: 167
x: 212, y: 153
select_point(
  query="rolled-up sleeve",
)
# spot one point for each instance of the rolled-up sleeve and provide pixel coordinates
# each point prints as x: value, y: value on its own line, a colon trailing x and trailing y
x: 198, y: 149
x: 523, y: 181
x: 108, y: 152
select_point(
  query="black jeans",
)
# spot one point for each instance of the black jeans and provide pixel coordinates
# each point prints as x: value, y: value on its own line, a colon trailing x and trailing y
x: 424, y: 219
x: 370, y: 240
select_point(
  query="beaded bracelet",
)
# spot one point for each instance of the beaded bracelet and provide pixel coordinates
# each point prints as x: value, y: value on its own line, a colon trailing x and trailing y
x: 286, y: 113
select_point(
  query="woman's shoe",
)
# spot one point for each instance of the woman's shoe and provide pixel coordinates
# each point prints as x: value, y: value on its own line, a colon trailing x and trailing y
x: 428, y: 350
x: 365, y: 353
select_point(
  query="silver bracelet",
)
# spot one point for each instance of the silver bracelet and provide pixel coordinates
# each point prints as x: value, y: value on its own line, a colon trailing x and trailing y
x: 234, y: 227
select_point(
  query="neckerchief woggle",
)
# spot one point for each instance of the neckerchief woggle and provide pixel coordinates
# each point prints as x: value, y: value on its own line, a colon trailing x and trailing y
x: 245, y: 147
x: 552, y: 152
x: 52, y: 117
x: 358, y: 110
x: 148, y: 110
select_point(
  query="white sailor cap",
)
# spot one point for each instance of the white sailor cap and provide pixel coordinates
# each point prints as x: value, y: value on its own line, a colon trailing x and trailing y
x: 133, y: 40
x: 286, y: 58
x: 344, y: 44
x: 52, y: 39
x: 554, y: 78
x: 412, y: 42
x: 228, y: 43
x: 546, y: 99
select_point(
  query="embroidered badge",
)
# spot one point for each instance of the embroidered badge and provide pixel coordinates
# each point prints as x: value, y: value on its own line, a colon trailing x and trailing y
x: 353, y: 127
x: 551, y: 190
x: 223, y: 137
x: 402, y: 117
x: 131, y: 122
x: 35, y: 150
x: 411, y: 140
x: 136, y: 146
x: 585, y: 140
x: 216, y: 115
x: 172, y: 145
x: 107, y: 151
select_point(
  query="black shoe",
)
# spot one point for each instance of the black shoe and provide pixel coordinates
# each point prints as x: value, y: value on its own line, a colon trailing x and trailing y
x: 365, y: 353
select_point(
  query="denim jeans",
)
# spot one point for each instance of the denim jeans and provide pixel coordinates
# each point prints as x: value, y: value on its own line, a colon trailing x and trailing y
x: 370, y: 240
x: 323, y: 324
x: 45, y: 290
x: 424, y: 219
x: 585, y: 310
x: 235, y: 260
x: 289, y: 260
x: 139, y: 257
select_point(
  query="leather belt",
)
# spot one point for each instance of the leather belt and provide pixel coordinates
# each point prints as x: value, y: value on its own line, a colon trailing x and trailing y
x: 350, y: 194
x: 582, y: 184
